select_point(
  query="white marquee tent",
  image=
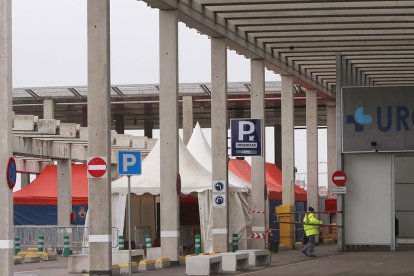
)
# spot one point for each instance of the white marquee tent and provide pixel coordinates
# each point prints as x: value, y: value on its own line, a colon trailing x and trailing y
x: 239, y: 216
x: 194, y: 179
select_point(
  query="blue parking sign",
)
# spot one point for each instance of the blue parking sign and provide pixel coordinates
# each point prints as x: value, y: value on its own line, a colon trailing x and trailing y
x: 129, y: 162
x: 246, y: 137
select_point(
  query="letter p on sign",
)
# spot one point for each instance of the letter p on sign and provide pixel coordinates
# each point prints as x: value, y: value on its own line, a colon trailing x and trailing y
x: 249, y: 129
x: 129, y: 162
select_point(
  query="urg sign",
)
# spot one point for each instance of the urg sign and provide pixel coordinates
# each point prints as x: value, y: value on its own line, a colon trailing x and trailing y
x: 246, y: 137
x: 378, y: 119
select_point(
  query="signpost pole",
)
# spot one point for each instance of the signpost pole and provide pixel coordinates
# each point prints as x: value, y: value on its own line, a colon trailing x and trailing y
x: 129, y: 225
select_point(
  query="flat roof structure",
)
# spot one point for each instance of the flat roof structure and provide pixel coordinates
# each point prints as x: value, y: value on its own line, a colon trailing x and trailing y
x: 140, y: 102
x: 302, y: 38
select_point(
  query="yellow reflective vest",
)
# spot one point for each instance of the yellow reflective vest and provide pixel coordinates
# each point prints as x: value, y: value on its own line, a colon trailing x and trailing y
x: 310, y: 224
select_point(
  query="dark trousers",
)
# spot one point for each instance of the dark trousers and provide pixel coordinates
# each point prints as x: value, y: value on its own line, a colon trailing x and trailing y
x: 309, y: 248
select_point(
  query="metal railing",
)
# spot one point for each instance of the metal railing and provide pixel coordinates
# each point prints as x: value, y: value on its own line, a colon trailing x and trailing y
x: 54, y: 236
x: 140, y: 232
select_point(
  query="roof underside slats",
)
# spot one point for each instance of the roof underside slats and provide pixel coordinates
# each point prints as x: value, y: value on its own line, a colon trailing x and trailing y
x: 303, y: 37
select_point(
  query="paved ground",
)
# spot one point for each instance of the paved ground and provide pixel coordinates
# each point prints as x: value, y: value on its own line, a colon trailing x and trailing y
x: 289, y: 263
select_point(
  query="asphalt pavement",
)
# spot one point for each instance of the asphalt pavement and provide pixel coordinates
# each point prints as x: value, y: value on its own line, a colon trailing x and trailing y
x: 288, y: 262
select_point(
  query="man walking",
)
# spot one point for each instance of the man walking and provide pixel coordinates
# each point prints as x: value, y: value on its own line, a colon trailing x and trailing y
x: 310, y: 225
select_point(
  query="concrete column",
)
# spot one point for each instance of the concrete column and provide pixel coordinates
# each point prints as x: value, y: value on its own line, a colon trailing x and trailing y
x: 188, y: 123
x: 6, y: 150
x: 48, y: 109
x: 219, y: 138
x: 119, y: 124
x: 24, y: 179
x: 99, y: 128
x: 170, y: 223
x: 278, y: 145
x: 148, y: 126
x: 258, y: 162
x: 288, y: 149
x: 312, y: 148
x: 64, y: 192
x: 84, y: 122
x: 331, y: 142
x: 341, y: 80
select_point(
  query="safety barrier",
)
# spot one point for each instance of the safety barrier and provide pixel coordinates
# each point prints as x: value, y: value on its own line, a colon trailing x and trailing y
x: 235, y: 243
x: 327, y: 232
x: 121, y: 243
x: 197, y: 244
x: 55, y: 237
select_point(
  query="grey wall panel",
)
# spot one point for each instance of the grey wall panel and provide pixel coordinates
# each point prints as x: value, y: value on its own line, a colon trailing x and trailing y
x: 404, y: 197
x: 406, y: 222
x: 368, y: 203
x: 404, y: 192
x: 404, y: 169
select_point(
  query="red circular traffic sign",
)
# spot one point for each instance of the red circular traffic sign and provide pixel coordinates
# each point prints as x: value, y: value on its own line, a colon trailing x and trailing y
x: 11, y: 173
x: 97, y: 167
x: 339, y: 178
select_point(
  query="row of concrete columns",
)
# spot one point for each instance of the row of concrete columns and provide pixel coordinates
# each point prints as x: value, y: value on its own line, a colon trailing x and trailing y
x: 99, y: 137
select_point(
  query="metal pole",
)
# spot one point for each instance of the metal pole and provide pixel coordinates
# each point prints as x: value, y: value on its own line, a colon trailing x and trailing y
x: 129, y: 225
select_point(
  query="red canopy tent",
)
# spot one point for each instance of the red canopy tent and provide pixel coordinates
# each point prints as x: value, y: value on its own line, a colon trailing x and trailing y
x: 43, y: 190
x: 273, y: 179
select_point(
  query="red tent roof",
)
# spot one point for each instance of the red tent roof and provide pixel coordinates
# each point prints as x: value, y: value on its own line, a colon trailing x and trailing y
x: 43, y: 190
x: 273, y: 179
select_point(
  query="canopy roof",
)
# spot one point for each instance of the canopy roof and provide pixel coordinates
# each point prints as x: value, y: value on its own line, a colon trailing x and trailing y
x: 43, y: 190
x: 371, y: 40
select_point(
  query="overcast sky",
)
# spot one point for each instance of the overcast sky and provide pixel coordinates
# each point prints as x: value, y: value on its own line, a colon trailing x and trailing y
x: 50, y: 46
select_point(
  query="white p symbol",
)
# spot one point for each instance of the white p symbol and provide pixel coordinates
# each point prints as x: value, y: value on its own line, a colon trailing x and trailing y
x: 127, y: 161
x: 242, y: 132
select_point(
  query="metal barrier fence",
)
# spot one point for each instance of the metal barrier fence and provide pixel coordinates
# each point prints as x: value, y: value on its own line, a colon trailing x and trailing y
x: 187, y: 236
x: 54, y: 236
x: 326, y: 231
x: 140, y: 232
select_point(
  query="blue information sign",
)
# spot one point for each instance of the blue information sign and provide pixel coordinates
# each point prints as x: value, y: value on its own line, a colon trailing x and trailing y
x: 246, y: 137
x: 129, y: 162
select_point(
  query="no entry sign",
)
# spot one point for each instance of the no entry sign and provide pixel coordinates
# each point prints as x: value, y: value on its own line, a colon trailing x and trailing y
x: 97, y: 167
x: 339, y: 178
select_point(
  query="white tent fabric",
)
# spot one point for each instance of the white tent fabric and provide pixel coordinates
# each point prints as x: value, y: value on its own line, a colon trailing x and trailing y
x: 238, y: 208
x: 194, y: 179
x: 200, y: 149
x: 118, y: 220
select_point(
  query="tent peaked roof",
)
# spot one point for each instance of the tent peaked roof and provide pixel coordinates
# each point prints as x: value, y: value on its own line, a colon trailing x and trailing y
x: 273, y: 178
x: 194, y: 178
x: 43, y: 190
x: 201, y: 150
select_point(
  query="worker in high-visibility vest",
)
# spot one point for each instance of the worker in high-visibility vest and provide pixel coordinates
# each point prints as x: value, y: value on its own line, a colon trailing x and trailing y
x: 311, y: 230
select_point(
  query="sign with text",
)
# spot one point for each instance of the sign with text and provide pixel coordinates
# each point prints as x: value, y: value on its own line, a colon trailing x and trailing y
x: 129, y: 162
x: 378, y: 119
x: 246, y: 135
x: 339, y: 190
